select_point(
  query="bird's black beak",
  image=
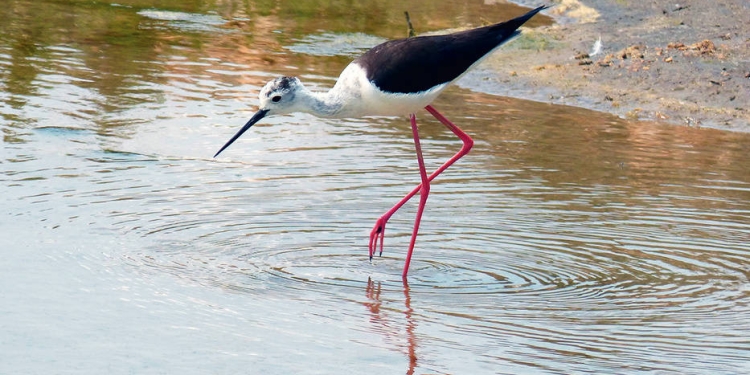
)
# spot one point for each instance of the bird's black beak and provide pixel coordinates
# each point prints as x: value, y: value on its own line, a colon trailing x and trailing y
x: 256, y: 117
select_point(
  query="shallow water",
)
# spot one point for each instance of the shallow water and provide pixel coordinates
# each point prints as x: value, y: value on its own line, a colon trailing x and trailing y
x: 567, y: 241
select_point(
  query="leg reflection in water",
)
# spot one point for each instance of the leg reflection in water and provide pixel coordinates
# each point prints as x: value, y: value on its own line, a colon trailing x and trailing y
x: 388, y: 325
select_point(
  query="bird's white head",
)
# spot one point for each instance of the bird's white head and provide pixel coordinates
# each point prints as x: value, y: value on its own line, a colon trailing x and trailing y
x: 276, y: 97
x: 279, y: 96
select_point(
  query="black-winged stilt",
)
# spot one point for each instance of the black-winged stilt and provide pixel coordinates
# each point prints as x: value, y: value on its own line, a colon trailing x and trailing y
x: 395, y: 78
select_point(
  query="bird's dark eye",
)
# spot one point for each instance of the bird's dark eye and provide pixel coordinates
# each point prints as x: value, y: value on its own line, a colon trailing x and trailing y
x: 276, y: 98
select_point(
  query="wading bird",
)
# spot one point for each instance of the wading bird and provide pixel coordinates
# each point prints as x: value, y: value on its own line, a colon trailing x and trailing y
x: 395, y: 78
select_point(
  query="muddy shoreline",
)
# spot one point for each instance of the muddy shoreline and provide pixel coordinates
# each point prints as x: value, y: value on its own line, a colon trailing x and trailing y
x: 685, y: 63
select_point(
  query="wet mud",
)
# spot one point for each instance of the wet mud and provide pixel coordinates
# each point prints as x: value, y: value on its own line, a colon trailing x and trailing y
x: 684, y: 63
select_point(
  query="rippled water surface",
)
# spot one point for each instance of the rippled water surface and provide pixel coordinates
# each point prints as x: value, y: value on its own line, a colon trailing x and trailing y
x: 567, y: 241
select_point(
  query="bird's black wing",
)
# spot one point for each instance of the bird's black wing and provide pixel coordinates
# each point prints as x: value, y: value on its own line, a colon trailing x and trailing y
x: 420, y: 63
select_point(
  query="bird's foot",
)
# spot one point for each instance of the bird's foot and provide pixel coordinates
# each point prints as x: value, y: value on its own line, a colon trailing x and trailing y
x: 377, y: 235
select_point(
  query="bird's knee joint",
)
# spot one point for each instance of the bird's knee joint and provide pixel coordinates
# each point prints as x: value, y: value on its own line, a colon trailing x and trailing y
x: 468, y: 144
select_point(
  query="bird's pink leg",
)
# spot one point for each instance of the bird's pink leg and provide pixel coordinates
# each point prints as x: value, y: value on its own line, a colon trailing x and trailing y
x: 424, y: 192
x: 378, y: 232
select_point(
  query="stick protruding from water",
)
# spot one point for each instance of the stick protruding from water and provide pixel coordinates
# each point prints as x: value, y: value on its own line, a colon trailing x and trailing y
x: 410, y: 29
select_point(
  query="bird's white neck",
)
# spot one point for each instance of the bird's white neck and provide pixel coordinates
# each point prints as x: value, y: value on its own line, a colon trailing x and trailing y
x: 321, y: 104
x: 343, y: 100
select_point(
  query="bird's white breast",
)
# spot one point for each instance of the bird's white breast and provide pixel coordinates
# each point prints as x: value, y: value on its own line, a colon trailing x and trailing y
x: 360, y: 97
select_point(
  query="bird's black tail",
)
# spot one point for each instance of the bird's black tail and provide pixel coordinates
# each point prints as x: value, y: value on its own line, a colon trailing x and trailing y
x: 520, y: 20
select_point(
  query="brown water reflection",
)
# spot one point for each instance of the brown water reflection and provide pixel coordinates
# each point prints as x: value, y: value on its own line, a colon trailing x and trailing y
x: 567, y: 241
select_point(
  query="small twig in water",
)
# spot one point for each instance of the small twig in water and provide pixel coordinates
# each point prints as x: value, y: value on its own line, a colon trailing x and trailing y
x: 410, y: 31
